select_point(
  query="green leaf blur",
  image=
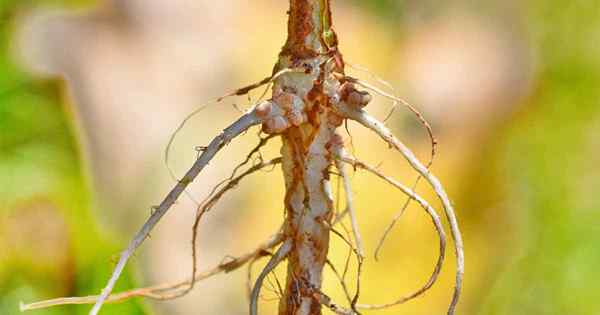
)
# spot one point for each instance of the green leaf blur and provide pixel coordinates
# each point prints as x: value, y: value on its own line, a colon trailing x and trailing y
x: 43, y: 184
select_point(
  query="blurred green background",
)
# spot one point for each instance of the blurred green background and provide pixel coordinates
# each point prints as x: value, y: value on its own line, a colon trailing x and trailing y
x: 510, y: 87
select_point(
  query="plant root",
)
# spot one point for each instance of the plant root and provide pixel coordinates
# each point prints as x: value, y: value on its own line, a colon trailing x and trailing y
x: 363, y: 118
x: 434, y: 218
x: 277, y: 258
x: 395, y: 100
x: 339, y: 150
x: 166, y: 291
x: 212, y: 201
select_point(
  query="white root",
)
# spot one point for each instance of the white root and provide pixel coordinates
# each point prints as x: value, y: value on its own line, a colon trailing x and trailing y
x: 242, y: 124
x: 339, y: 150
x: 362, y: 117
x: 395, y: 99
x: 277, y: 258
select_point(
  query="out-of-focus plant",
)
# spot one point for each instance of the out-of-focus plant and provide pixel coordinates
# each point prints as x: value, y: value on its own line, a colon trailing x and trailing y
x: 549, y: 158
x: 48, y: 237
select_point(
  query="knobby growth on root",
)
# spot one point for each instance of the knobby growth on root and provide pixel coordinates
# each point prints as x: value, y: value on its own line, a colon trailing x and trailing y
x: 311, y: 98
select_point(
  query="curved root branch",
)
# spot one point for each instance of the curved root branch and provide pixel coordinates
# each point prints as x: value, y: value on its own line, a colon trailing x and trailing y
x: 349, y: 202
x: 368, y: 121
x: 340, y: 280
x: 359, y: 260
x: 277, y: 258
x: 395, y: 99
x: 434, y: 218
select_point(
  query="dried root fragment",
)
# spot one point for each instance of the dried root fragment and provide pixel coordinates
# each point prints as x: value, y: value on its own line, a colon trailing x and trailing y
x: 332, y: 306
x: 168, y: 290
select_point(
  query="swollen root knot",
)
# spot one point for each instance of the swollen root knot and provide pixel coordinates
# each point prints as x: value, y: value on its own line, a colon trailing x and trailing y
x: 276, y: 124
x: 353, y: 97
x: 263, y: 110
x: 286, y: 110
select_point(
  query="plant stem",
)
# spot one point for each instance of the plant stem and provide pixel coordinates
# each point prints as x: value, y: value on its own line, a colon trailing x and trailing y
x: 308, y: 20
x: 306, y: 156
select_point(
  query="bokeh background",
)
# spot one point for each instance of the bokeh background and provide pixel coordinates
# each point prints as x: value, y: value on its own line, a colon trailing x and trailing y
x: 90, y: 92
